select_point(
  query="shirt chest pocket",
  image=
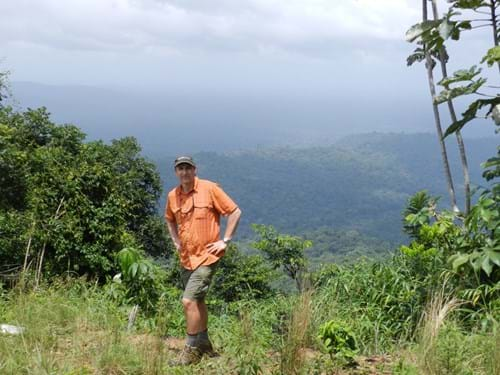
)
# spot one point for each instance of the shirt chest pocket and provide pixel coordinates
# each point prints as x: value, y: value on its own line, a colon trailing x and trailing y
x: 182, y: 210
x: 202, y: 209
x: 202, y: 220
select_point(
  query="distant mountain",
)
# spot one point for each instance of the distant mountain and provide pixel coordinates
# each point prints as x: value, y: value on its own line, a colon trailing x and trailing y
x: 350, y: 192
x: 170, y: 120
x: 360, y: 183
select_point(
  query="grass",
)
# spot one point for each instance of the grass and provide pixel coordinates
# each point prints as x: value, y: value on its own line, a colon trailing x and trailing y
x: 292, y: 356
x: 73, y: 327
x: 433, y: 320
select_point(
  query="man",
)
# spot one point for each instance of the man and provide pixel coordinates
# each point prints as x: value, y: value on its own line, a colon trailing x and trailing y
x: 193, y: 218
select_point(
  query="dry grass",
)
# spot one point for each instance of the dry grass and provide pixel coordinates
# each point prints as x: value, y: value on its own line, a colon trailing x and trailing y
x: 431, y: 323
x: 292, y: 354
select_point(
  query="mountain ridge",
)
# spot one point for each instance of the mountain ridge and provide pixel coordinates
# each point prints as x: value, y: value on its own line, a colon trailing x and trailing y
x: 359, y: 183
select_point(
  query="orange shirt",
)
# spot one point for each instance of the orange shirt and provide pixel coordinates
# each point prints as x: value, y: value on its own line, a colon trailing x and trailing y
x: 197, y: 215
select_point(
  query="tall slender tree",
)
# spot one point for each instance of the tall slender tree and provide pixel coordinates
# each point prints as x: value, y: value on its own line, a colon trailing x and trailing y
x: 461, y: 146
x: 430, y: 36
x: 429, y: 63
x: 493, y: 5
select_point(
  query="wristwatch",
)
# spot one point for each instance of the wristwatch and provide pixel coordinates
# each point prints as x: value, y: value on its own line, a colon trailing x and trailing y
x: 226, y: 240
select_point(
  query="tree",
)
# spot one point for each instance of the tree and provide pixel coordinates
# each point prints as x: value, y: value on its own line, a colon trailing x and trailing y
x: 283, y: 251
x: 433, y: 35
x: 418, y: 211
x: 443, y: 58
x: 471, y: 241
x: 66, y: 205
x: 421, y: 53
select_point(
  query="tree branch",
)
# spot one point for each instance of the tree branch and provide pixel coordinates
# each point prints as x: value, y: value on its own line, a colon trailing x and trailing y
x: 479, y: 26
x: 489, y: 96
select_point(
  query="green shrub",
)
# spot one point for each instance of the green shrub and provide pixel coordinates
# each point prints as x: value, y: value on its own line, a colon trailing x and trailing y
x: 338, y: 340
x: 242, y: 276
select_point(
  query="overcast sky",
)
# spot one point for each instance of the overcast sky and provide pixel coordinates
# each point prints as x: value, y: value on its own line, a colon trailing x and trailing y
x: 319, y: 48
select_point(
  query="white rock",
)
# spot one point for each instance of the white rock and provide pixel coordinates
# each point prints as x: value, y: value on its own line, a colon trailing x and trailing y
x: 13, y: 330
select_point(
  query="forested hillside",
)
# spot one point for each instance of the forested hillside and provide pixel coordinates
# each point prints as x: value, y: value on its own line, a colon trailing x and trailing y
x: 360, y: 183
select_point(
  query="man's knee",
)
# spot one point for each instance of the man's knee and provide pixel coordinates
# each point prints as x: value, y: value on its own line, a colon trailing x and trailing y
x: 189, y: 304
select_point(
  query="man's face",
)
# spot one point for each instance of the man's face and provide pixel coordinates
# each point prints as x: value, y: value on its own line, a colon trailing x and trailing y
x: 185, y: 173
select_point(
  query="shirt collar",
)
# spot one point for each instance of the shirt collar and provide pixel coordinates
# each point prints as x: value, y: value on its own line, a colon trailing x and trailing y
x: 195, y: 187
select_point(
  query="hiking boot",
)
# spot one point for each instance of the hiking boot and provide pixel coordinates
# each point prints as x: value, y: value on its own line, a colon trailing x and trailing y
x: 190, y: 355
x: 205, y: 347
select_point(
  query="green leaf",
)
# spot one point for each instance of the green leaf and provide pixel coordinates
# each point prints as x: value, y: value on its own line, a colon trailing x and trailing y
x: 491, y: 162
x: 494, y: 256
x: 475, y: 260
x: 486, y: 202
x: 492, y: 56
x: 458, y: 260
x: 460, y: 76
x: 449, y: 94
x: 445, y: 28
x: 486, y: 265
x: 471, y: 113
x: 143, y: 267
x: 485, y: 214
x: 465, y: 25
x: 417, y: 30
x: 418, y: 55
x: 133, y: 270
x: 468, y: 4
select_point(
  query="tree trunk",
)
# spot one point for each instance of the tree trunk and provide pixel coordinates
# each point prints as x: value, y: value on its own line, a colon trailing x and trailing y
x: 493, y: 5
x: 28, y: 247
x: 437, y: 119
x: 131, y: 317
x: 38, y: 274
x: 451, y: 108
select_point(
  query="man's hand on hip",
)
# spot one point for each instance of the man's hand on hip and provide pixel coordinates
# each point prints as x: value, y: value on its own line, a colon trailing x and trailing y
x: 216, y: 247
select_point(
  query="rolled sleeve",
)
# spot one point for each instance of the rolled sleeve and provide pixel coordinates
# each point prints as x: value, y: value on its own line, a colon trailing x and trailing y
x: 222, y: 202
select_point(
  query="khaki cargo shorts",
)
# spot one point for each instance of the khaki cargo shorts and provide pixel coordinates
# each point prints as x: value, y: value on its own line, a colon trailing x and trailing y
x: 196, y: 282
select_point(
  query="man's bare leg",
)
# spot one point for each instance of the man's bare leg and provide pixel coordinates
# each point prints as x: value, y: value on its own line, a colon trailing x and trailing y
x: 191, y: 352
x: 193, y: 316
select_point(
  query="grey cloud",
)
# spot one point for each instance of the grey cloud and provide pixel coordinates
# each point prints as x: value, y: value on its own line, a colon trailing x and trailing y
x: 179, y: 26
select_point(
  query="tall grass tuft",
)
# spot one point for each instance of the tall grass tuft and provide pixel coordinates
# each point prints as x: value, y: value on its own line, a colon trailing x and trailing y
x: 431, y: 323
x: 493, y: 357
x: 296, y: 338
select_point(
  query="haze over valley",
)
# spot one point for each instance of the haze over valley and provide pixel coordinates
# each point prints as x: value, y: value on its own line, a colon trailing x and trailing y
x: 300, y: 163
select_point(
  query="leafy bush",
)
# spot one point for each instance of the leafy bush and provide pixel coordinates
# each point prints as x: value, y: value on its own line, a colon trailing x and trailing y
x: 283, y: 251
x: 242, y: 276
x: 141, y: 280
x: 338, y: 340
x: 465, y: 249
